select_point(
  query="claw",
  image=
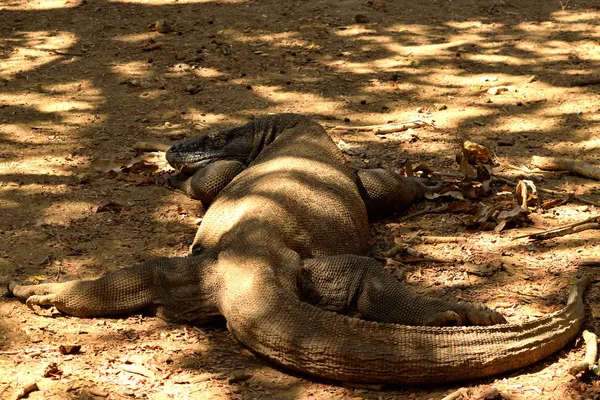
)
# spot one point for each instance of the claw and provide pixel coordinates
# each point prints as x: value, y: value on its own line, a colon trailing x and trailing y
x: 11, y: 286
x: 446, y: 318
x: 480, y: 314
x: 40, y: 300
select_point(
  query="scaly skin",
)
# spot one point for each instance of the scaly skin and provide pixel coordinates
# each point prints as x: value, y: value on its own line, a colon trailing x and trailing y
x: 279, y: 256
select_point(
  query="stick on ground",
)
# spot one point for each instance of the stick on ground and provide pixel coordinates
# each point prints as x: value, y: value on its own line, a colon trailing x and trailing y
x: 383, y: 129
x: 589, y: 223
x: 591, y: 354
x: 561, y: 164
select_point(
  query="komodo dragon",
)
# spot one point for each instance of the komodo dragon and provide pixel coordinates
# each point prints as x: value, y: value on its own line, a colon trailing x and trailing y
x: 278, y: 254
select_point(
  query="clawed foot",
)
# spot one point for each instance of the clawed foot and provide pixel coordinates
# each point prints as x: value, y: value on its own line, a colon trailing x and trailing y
x: 480, y: 314
x: 467, y: 314
x: 34, y: 295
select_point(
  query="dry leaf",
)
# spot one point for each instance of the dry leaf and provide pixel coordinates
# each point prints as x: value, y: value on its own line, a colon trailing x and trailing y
x: 461, y: 207
x: 110, y: 206
x: 526, y: 192
x: 65, y: 349
x: 547, y: 204
x: 475, y: 153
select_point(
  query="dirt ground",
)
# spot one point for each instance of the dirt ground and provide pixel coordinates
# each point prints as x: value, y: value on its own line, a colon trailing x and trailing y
x: 81, y: 81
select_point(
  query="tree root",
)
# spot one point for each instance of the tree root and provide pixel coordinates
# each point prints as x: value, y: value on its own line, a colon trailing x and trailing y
x: 589, y: 223
x: 591, y: 354
x: 561, y: 164
x: 384, y: 129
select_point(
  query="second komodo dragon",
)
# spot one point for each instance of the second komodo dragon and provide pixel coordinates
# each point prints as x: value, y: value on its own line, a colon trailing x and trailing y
x: 279, y: 255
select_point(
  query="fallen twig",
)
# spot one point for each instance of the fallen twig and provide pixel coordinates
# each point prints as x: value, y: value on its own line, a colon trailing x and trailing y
x: 439, y: 239
x: 65, y: 53
x: 138, y: 369
x: 424, y: 212
x: 31, y: 351
x: 25, y: 390
x: 561, y: 164
x: 456, y: 394
x: 591, y: 354
x: 589, y: 223
x: 383, y: 129
x: 151, y: 146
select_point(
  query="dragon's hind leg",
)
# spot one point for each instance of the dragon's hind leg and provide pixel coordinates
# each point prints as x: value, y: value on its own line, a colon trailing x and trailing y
x: 349, y: 283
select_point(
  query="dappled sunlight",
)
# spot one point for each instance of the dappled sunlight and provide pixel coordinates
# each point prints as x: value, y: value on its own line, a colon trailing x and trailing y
x: 577, y: 20
x: 135, y: 38
x: 40, y: 4
x: 137, y: 69
x: 47, y: 167
x: 290, y: 99
x: 356, y: 31
x: 204, y: 120
x: 61, y: 106
x: 32, y: 50
x: 153, y: 2
x: 208, y: 73
x: 77, y: 84
x: 64, y: 212
x: 283, y: 39
x: 499, y: 59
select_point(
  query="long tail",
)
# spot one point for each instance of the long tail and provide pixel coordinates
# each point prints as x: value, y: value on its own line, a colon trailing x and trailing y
x: 298, y: 336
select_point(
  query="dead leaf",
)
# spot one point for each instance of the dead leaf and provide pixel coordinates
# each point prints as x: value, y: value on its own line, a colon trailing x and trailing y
x: 111, y: 206
x: 52, y: 371
x: 65, y: 349
x: 145, y: 162
x: 500, y: 89
x: 144, y: 181
x: 106, y: 166
x: 475, y: 153
x: 547, y: 204
x: 461, y: 207
x: 152, y: 45
x: 516, y: 211
x: 138, y: 369
x: 526, y: 192
x: 480, y: 269
x: 466, y: 169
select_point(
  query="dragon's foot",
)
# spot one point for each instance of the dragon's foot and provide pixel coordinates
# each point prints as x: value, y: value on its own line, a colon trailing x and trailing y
x: 446, y: 318
x: 466, y: 314
x: 479, y: 314
x: 34, y: 295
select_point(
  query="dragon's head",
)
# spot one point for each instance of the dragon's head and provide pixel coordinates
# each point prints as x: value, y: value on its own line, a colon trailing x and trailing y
x: 192, y: 154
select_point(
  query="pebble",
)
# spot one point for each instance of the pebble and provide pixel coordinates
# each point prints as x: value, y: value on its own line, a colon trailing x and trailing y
x: 162, y: 26
x: 361, y: 19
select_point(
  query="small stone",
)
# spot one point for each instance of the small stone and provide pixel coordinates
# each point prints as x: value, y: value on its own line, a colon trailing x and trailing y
x: 363, y: 102
x: 496, y: 90
x: 162, y: 26
x: 476, y: 153
x: 193, y: 89
x: 506, y: 141
x: 239, y: 375
x: 83, y: 178
x: 361, y: 19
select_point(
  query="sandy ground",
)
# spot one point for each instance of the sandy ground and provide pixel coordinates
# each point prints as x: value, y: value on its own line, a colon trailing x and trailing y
x: 82, y: 81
